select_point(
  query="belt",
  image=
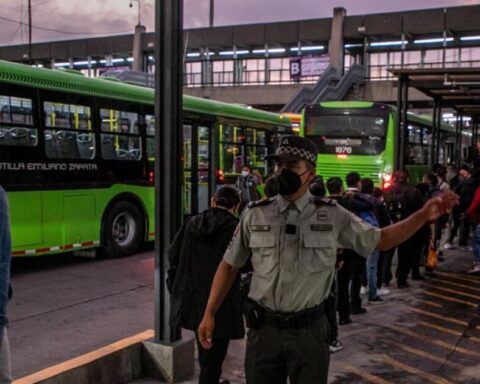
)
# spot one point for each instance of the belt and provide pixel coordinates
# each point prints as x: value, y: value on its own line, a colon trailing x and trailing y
x: 293, y: 320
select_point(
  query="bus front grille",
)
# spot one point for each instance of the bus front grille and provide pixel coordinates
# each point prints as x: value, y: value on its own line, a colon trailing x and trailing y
x: 341, y: 169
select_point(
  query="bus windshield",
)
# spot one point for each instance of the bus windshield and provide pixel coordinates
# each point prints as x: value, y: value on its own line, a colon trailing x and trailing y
x: 347, y: 133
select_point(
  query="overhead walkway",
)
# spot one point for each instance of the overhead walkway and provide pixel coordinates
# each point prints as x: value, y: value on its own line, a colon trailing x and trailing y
x: 329, y: 87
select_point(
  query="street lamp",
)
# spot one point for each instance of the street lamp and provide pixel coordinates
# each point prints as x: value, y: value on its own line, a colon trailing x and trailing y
x: 139, y: 7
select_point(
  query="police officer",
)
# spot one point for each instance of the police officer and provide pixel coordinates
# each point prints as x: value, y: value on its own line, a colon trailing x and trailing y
x: 292, y: 240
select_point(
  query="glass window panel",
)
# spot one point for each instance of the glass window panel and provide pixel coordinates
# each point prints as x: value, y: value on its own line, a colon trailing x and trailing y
x: 18, y: 136
x: 433, y: 56
x: 57, y: 115
x: 228, y: 65
x: 218, y: 66
x: 150, y: 125
x: 120, y: 147
x: 63, y: 144
x: 119, y: 121
x: 275, y: 63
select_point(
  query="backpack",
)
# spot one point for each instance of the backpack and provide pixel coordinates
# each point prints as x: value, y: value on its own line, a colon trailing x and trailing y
x: 397, y: 209
x: 370, y: 218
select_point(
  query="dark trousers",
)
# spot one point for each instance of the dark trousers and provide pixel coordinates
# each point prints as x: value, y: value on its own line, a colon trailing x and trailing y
x: 344, y: 275
x: 302, y: 355
x: 465, y: 228
x: 387, y: 266
x: 455, y: 226
x: 380, y: 266
x: 358, y: 271
x: 211, y: 361
x: 331, y: 312
x: 406, y: 252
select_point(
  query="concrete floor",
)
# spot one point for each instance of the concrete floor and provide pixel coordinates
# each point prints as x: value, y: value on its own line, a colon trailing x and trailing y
x: 430, y: 332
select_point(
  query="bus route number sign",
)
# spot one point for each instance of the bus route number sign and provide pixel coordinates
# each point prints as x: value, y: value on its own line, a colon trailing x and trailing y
x: 343, y: 150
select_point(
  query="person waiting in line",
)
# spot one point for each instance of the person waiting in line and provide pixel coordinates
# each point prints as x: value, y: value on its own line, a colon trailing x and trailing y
x: 378, y: 217
x: 247, y: 186
x: 384, y: 222
x: 317, y: 188
x: 292, y: 241
x: 473, y: 212
x: 194, y: 256
x: 5, y: 288
x: 359, y: 265
x: 402, y: 200
x: 344, y: 274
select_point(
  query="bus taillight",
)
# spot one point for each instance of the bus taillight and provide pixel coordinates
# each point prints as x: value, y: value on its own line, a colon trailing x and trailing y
x: 151, y: 177
x: 220, y: 176
x: 386, y: 180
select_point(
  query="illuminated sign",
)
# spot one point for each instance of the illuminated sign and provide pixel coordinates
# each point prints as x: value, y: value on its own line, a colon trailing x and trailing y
x: 305, y: 66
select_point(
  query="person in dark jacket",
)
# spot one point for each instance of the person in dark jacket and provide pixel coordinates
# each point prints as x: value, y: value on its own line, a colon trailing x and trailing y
x: 195, y: 254
x: 402, y: 200
x: 346, y: 273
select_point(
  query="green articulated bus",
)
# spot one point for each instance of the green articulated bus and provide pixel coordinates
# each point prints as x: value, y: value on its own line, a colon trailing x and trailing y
x: 76, y: 157
x: 362, y: 136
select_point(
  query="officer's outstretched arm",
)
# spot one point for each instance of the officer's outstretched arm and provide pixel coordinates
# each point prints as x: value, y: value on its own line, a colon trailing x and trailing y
x: 434, y: 208
x: 222, y: 282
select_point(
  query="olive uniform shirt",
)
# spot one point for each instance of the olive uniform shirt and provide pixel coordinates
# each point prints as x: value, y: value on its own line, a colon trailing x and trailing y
x: 293, y: 272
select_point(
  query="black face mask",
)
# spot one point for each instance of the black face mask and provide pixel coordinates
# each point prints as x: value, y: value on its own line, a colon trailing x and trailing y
x: 288, y: 182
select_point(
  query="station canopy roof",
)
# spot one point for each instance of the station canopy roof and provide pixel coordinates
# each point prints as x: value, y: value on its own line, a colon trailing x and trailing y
x: 456, y: 88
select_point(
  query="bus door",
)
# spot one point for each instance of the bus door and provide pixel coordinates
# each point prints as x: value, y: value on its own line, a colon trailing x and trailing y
x: 197, y: 159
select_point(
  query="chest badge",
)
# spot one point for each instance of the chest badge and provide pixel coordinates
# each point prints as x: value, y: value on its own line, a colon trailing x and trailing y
x: 321, y: 215
x: 260, y: 228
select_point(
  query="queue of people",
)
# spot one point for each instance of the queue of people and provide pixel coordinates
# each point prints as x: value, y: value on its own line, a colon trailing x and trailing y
x: 297, y: 243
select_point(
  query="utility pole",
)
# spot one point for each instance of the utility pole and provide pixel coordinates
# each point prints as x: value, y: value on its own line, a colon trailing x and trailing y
x: 30, y: 32
x: 212, y: 12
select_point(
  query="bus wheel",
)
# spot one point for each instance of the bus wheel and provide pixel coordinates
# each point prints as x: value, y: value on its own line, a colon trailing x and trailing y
x: 123, y: 229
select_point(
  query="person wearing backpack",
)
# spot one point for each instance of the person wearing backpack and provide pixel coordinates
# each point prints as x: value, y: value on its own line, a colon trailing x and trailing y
x: 401, y: 201
x: 372, y: 217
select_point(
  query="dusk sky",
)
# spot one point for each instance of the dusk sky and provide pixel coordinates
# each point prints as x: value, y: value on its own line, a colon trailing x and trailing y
x: 73, y: 19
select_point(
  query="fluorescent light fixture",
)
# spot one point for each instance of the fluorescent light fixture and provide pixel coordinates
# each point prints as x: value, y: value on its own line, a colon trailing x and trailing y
x: 151, y: 58
x: 231, y: 53
x: 271, y: 50
x: 386, y: 43
x: 37, y: 66
x: 470, y: 38
x: 353, y: 45
x: 85, y: 62
x: 193, y: 54
x: 308, y: 48
x: 61, y: 64
x: 432, y: 41
x: 130, y: 59
x: 117, y: 61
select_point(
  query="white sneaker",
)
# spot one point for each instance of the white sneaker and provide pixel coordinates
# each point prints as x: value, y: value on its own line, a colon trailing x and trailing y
x: 474, y: 269
x: 447, y: 246
x: 363, y: 290
x: 383, y: 291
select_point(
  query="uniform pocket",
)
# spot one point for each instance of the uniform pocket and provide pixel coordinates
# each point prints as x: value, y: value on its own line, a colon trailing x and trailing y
x: 318, y: 253
x: 264, y: 251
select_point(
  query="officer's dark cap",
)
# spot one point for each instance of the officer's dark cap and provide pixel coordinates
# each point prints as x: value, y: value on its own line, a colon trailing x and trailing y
x: 295, y: 148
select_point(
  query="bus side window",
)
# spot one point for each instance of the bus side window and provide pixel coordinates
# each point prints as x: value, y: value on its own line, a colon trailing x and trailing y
x: 16, y: 122
x: 70, y: 135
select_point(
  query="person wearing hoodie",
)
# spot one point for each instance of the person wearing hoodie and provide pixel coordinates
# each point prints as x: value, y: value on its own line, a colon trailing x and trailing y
x: 194, y: 256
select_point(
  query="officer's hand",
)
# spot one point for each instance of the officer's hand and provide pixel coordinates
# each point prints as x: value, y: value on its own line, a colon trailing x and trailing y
x: 440, y: 205
x: 205, y: 331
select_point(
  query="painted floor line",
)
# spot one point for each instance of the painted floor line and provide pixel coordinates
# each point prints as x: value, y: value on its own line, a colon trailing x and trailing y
x: 415, y: 371
x: 429, y: 356
x: 447, y: 298
x: 449, y: 331
x: 447, y: 282
x: 431, y: 303
x: 440, y: 343
x: 440, y: 317
x: 361, y: 373
x: 459, y: 293
x: 87, y: 358
x: 458, y: 276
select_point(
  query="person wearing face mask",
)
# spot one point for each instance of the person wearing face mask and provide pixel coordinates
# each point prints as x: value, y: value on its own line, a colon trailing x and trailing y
x: 247, y: 186
x: 292, y: 241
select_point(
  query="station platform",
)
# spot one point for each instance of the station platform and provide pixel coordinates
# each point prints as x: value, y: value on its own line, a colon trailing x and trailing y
x: 429, y: 332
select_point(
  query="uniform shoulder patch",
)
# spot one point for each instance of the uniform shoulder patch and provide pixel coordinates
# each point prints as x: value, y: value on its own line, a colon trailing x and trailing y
x: 324, y: 201
x: 260, y: 203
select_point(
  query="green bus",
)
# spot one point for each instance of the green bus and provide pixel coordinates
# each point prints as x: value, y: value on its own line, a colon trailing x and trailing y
x: 362, y: 136
x: 76, y: 157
